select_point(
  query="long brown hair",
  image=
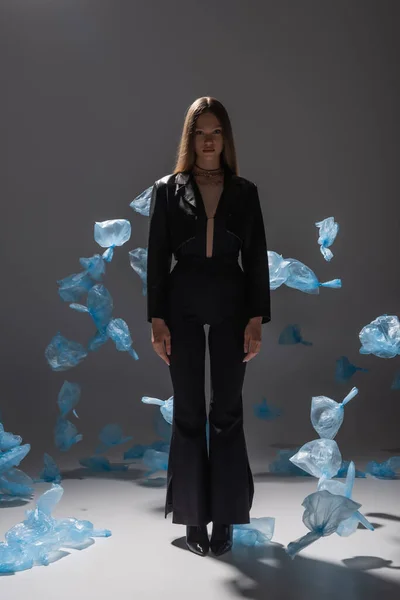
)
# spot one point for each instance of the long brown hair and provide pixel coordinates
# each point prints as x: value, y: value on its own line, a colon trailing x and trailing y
x: 186, y: 155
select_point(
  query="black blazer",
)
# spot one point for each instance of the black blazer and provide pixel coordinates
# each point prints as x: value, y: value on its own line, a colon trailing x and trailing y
x: 174, y: 209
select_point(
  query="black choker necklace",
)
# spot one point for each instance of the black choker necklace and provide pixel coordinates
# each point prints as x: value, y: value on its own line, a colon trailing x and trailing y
x: 207, y: 172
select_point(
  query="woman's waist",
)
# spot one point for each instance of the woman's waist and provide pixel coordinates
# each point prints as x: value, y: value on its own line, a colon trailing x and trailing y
x: 210, y: 262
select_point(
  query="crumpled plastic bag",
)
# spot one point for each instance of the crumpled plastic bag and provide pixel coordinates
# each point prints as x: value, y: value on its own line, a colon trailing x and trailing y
x: 111, y: 435
x: 141, y: 204
x: 266, y: 411
x: 258, y: 532
x: 50, y: 472
x: 292, y: 335
x: 94, y: 266
x: 349, y: 525
x: 137, y: 451
x: 11, y: 458
x: 101, y: 463
x: 155, y: 460
x: 16, y: 483
x: 345, y: 370
x: 384, y: 470
x: 72, y: 287
x: 99, y: 305
x: 166, y: 406
x: 344, y: 470
x: 69, y: 397
x: 37, y: 539
x: 381, y: 337
x: 301, y: 277
x: 278, y: 271
x: 321, y: 458
x: 138, y: 262
x: 327, y: 415
x: 118, y: 332
x: 112, y: 233
x: 63, y: 354
x: 281, y: 464
x: 328, y: 229
x: 66, y: 434
x: 322, y: 516
x: 8, y: 440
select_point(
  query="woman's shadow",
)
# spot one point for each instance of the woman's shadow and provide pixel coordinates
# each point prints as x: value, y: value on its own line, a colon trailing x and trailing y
x: 268, y: 573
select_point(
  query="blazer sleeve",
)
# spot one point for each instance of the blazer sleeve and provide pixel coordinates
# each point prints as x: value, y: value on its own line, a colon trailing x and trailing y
x: 159, y: 254
x: 255, y: 262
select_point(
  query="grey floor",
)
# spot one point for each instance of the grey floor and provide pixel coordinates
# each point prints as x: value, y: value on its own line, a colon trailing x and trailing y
x: 146, y: 555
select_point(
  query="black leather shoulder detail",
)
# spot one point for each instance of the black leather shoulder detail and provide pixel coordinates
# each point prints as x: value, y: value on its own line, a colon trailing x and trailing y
x: 244, y: 181
x: 166, y: 179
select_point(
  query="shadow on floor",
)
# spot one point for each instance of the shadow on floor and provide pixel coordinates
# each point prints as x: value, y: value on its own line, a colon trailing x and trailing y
x: 269, y: 573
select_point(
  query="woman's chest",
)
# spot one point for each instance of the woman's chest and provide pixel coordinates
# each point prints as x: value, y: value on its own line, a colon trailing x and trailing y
x: 188, y: 219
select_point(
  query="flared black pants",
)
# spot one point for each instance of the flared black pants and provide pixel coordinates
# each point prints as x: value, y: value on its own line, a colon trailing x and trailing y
x: 215, y: 484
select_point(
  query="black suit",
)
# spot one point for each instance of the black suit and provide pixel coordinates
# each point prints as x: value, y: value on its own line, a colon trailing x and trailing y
x: 216, y: 291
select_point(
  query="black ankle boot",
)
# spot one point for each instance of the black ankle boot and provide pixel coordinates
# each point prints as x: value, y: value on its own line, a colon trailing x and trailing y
x: 221, y: 538
x: 197, y: 539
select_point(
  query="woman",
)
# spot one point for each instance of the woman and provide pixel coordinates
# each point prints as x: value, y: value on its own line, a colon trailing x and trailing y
x: 204, y: 215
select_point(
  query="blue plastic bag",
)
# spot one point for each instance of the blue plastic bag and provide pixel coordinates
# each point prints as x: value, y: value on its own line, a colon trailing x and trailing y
x: 99, y: 305
x: 94, y: 266
x: 381, y: 337
x: 166, y: 406
x: 72, y: 287
x: 321, y: 458
x: 118, y: 331
x: 278, y: 269
x: 50, y: 472
x: 8, y: 440
x: 112, y: 233
x: 111, y: 435
x: 141, y: 204
x: 301, y: 277
x: 328, y: 229
x: 155, y: 460
x: 68, y: 398
x: 266, y: 411
x: 66, y: 434
x: 258, y: 532
x: 327, y: 415
x: 322, y: 516
x: 63, y: 354
x: 291, y: 335
x: 40, y: 536
x: 384, y: 470
x: 349, y: 525
x: 345, y: 370
x: 138, y: 262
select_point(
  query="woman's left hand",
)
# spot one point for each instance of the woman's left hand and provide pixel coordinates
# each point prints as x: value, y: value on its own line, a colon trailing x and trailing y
x: 252, y: 338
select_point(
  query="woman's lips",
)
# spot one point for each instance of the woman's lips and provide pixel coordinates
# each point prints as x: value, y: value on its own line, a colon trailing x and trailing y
x: 208, y: 150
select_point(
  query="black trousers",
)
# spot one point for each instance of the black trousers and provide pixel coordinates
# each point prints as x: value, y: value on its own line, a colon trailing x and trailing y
x: 214, y: 484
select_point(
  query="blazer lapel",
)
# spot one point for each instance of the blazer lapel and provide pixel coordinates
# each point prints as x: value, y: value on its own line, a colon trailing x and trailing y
x: 190, y: 191
x: 182, y: 180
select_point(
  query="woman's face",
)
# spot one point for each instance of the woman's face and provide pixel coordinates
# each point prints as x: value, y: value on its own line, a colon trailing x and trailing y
x: 208, y: 139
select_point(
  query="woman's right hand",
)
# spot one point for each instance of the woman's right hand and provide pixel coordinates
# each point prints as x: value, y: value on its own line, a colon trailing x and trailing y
x: 161, y: 338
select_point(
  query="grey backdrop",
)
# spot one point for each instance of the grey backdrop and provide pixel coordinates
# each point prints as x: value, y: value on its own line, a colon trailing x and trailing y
x: 93, y: 100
